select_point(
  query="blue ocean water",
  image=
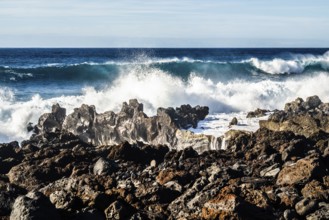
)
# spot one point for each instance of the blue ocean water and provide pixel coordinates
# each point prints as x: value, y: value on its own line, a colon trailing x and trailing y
x: 227, y: 80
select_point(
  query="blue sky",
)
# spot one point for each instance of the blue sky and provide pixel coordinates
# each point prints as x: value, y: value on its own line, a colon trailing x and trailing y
x: 169, y: 23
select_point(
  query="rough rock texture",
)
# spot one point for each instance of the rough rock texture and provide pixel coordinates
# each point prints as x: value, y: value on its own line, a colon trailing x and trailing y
x: 130, y: 124
x: 260, y: 175
x: 33, y: 206
x: 301, y: 117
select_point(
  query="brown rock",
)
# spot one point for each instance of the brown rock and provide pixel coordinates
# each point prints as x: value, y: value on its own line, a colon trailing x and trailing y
x: 315, y: 190
x: 222, y: 207
x: 168, y: 175
x: 298, y: 172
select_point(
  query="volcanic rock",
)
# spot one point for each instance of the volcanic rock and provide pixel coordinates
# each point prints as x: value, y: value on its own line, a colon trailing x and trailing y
x: 33, y: 206
x: 301, y: 117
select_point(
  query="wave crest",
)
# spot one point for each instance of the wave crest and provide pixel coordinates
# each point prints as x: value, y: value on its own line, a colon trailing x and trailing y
x: 296, y: 65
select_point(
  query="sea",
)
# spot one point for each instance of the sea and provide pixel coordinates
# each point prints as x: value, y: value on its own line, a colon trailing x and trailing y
x: 230, y: 81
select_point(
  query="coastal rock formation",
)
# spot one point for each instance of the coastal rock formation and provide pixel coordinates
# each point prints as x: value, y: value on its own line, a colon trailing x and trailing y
x: 301, y: 117
x: 130, y: 124
x: 260, y: 175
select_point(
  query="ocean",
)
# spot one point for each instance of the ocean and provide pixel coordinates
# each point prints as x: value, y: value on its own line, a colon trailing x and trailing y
x: 230, y: 81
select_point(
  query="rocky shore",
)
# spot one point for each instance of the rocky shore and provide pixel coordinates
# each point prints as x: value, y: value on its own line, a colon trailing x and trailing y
x: 129, y: 166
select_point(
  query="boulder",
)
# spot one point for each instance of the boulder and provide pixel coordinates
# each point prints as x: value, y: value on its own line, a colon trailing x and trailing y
x: 104, y: 167
x: 306, y: 206
x: 321, y: 213
x: 300, y: 172
x: 315, y: 190
x: 234, y: 121
x: 33, y: 206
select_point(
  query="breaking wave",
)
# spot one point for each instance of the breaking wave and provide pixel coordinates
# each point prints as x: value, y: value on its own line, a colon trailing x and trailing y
x: 158, y: 88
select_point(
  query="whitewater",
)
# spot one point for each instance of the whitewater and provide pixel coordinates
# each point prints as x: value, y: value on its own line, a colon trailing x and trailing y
x: 230, y: 81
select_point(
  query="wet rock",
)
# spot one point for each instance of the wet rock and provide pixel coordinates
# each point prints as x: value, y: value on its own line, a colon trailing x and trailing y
x: 312, y: 102
x: 33, y: 206
x: 51, y: 122
x: 301, y: 117
x: 257, y: 113
x: 234, y: 121
x: 306, y: 206
x: 131, y: 124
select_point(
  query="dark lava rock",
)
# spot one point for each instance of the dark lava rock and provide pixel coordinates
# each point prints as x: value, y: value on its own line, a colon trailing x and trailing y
x: 301, y: 117
x: 257, y: 113
x: 33, y: 206
x: 279, y: 173
x: 234, y: 121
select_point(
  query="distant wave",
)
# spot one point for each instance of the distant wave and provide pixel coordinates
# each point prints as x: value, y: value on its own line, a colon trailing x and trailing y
x: 183, y: 67
x: 298, y: 64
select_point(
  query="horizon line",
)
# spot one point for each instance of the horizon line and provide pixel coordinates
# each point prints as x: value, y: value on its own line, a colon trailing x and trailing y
x: 87, y: 47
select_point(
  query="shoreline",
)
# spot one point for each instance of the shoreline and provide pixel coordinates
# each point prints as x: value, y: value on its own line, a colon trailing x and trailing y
x: 279, y: 171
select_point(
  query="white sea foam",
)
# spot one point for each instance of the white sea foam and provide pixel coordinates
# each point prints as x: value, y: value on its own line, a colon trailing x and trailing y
x: 295, y: 65
x: 218, y: 124
x: 156, y: 88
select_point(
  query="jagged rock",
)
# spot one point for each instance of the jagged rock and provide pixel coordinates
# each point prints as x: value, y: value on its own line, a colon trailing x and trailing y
x: 130, y: 125
x: 298, y: 172
x: 301, y: 117
x: 305, y: 206
x: 260, y: 175
x: 199, y: 142
x: 33, y: 206
x: 51, y: 122
x: 257, y: 113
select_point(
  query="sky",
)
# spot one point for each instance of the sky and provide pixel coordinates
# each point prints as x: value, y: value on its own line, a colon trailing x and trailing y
x: 167, y: 23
